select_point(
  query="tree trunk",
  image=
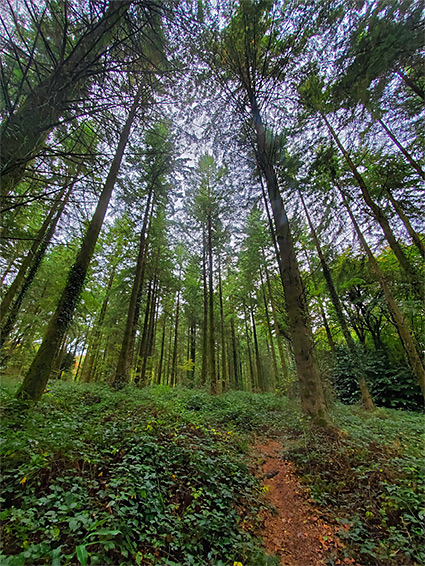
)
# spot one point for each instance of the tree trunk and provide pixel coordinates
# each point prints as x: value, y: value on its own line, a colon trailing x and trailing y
x: 235, y: 361
x: 87, y: 371
x: 41, y: 237
x: 161, y: 356
x: 213, y: 374
x: 260, y: 373
x: 283, y: 360
x: 379, y: 217
x: 204, y: 353
x: 411, y: 84
x: 176, y: 334
x: 411, y: 231
x: 271, y: 228
x: 125, y: 360
x: 141, y: 350
x: 224, y: 378
x: 29, y: 271
x: 148, y: 349
x: 311, y: 390
x: 25, y: 131
x: 252, y: 384
x: 269, y: 331
x: 367, y: 401
x: 401, y: 325
x: 39, y: 372
x: 406, y: 154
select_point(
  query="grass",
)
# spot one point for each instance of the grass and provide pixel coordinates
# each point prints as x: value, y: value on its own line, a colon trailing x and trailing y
x: 161, y: 476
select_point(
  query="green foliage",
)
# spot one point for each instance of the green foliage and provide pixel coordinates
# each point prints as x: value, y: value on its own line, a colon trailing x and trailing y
x: 135, y: 477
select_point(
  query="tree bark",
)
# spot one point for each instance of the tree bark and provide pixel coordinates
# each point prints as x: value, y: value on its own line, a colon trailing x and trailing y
x: 403, y: 217
x: 311, y: 389
x: 224, y: 378
x: 283, y: 360
x: 212, y: 368
x: 411, y: 84
x: 252, y: 384
x: 39, y: 372
x: 204, y: 353
x: 40, y: 238
x: 406, y: 154
x: 176, y: 334
x: 236, y: 373
x: 92, y: 353
x: 161, y: 356
x: 31, y: 272
x: 269, y: 331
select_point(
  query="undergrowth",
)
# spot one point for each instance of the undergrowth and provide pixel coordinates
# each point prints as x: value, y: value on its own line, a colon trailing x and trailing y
x: 92, y: 476
x: 159, y: 476
x: 372, y: 480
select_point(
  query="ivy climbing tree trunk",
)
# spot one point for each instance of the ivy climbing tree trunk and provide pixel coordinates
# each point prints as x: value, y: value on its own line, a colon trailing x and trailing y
x: 311, y: 390
x: 40, y: 369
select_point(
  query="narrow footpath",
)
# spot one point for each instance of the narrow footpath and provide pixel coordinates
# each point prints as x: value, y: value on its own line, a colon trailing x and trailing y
x: 294, y: 531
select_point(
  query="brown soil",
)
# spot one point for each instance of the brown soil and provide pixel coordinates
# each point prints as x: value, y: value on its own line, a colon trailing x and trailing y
x: 295, y: 532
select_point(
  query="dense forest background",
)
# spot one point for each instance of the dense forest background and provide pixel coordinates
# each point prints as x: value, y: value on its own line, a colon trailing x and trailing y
x: 212, y: 256
x: 238, y: 188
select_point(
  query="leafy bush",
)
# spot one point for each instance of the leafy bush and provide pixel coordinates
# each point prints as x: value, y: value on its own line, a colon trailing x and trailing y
x: 391, y: 386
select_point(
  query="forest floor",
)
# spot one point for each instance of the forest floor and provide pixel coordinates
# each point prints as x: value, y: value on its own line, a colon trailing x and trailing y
x: 176, y: 477
x: 292, y: 528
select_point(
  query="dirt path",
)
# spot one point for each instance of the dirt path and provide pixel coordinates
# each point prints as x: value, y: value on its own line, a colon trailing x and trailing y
x: 296, y: 533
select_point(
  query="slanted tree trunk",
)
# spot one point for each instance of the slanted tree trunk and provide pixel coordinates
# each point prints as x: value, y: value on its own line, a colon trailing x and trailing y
x: 39, y: 372
x: 23, y: 134
x: 399, y: 320
x: 406, y: 154
x: 311, y: 389
x: 411, y: 84
x: 367, y: 401
x: 403, y: 217
x: 28, y: 272
x: 379, y: 217
x: 42, y: 236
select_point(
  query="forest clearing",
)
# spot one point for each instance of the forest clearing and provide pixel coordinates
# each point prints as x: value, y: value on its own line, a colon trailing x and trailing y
x: 212, y: 325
